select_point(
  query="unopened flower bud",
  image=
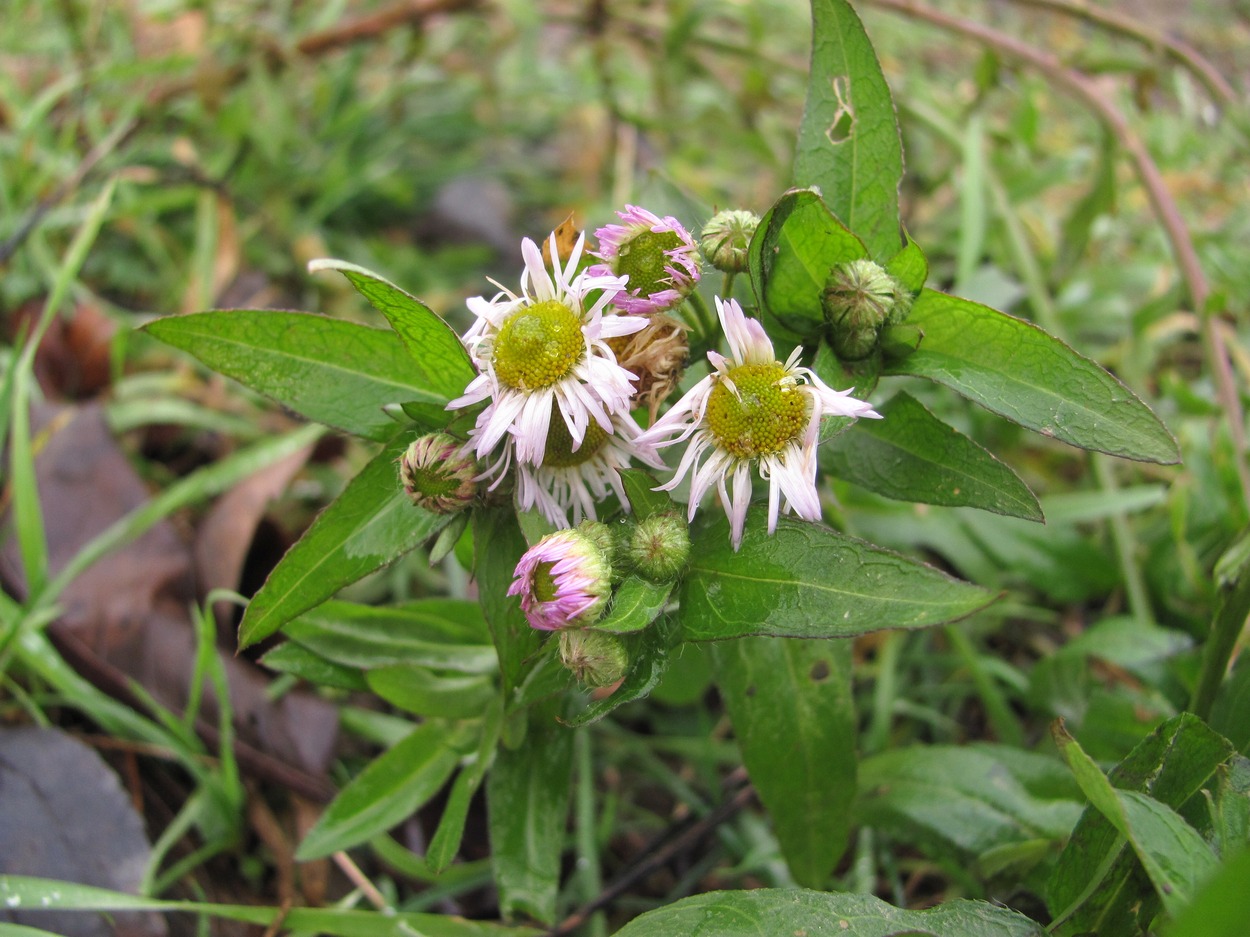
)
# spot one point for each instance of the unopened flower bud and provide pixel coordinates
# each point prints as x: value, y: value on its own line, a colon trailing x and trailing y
x: 595, y: 658
x: 564, y: 581
x: 725, y: 239
x: 437, y: 475
x: 660, y: 547
x: 657, y: 355
x: 858, y: 299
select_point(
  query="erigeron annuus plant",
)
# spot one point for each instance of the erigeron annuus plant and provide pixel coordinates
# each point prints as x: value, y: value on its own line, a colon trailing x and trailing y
x: 819, y: 301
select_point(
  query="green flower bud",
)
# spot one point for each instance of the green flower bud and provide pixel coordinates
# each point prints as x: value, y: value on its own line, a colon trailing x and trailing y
x: 437, y: 474
x: 659, y: 547
x: 595, y: 658
x: 858, y: 300
x: 725, y: 239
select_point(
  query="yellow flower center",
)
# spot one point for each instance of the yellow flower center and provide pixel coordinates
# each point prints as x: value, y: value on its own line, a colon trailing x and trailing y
x: 559, y: 452
x: 544, y: 582
x: 538, y: 346
x: 643, y: 258
x: 762, y: 417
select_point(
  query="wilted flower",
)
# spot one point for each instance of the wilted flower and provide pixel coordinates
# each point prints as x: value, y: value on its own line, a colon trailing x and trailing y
x: 725, y: 239
x: 564, y: 581
x: 544, y: 352
x: 752, y: 409
x: 437, y: 475
x: 658, y: 255
x: 657, y: 356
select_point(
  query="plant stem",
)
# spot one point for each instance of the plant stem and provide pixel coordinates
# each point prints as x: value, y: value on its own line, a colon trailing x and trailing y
x: 703, y: 315
x: 590, y: 877
x: 1230, y: 618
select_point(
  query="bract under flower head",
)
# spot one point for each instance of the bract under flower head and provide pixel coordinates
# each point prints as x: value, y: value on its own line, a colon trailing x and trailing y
x: 576, y: 479
x: 564, y: 581
x: 752, y: 409
x: 657, y: 255
x: 545, y: 351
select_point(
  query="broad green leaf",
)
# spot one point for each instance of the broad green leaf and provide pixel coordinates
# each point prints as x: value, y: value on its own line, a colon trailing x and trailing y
x: 42, y: 893
x: 389, y: 790
x: 1220, y: 908
x: 499, y: 546
x: 635, y: 605
x: 909, y: 266
x: 911, y: 455
x: 436, y: 355
x: 1098, y: 885
x: 797, y: 243
x: 422, y: 633
x: 807, y: 581
x: 527, y: 796
x: 370, y: 524
x: 1173, y: 854
x: 297, y: 660
x: 1013, y: 368
x: 772, y: 912
x: 961, y: 802
x: 849, y: 143
x: 649, y: 655
x: 335, y: 372
x: 643, y: 500
x: 422, y: 691
x: 794, y: 718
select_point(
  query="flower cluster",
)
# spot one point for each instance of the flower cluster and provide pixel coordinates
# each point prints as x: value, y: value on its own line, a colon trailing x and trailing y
x: 565, y: 361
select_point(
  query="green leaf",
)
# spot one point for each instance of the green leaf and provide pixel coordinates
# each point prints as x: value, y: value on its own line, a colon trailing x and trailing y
x: 807, y: 581
x: 499, y: 546
x: 960, y: 802
x: 909, y: 266
x: 771, y: 912
x: 649, y: 654
x: 527, y: 796
x: 794, y: 718
x: 335, y: 372
x: 1098, y: 885
x: 19, y: 890
x: 849, y: 142
x: 1230, y: 714
x: 797, y: 243
x: 911, y: 455
x: 421, y: 633
x: 635, y: 605
x: 422, y: 691
x: 1173, y: 854
x: 437, y: 356
x: 389, y: 790
x: 860, y: 377
x: 445, y: 842
x: 299, y: 661
x: 370, y: 524
x: 1013, y: 368
x: 643, y: 500
x: 1220, y: 908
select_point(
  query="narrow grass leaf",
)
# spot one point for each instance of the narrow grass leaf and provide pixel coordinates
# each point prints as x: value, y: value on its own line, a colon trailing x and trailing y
x: 1013, y: 368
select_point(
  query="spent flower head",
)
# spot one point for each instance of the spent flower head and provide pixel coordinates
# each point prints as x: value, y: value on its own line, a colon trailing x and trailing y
x: 564, y: 581
x: 657, y: 356
x: 752, y: 411
x: 544, y: 352
x: 657, y: 255
x: 437, y: 474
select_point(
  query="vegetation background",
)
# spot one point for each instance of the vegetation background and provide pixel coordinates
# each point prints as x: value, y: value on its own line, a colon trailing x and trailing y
x: 168, y: 156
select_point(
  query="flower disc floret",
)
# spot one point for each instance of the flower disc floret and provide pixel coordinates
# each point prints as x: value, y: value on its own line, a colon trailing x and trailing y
x: 756, y: 410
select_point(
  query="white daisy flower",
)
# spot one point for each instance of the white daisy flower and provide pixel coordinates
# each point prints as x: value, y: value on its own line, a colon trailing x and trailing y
x: 752, y: 409
x: 575, y: 479
x: 543, y: 351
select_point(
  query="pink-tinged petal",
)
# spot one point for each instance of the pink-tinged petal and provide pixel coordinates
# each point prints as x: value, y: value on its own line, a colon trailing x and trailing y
x: 741, y: 500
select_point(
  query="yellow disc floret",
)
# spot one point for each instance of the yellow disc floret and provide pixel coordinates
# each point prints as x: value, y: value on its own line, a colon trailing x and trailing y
x: 559, y: 452
x: 767, y: 411
x: 643, y: 260
x: 538, y: 345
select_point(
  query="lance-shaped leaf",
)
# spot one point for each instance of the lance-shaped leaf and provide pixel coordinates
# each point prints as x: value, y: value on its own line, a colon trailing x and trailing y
x: 436, y: 355
x: 1013, y: 368
x: 370, y: 524
x: 769, y: 912
x: 807, y: 581
x: 794, y: 718
x: 911, y: 455
x: 849, y: 143
x: 334, y: 372
x: 797, y: 243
